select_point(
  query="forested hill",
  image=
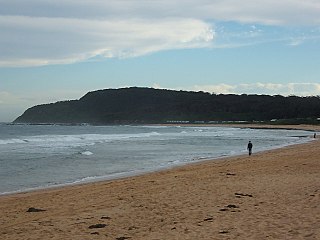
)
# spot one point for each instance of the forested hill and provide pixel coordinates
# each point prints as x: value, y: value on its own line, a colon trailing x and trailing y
x: 147, y: 105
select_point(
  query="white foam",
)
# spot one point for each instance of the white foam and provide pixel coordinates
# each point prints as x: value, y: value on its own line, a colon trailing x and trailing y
x: 73, y: 140
x: 87, y: 153
x: 12, y: 141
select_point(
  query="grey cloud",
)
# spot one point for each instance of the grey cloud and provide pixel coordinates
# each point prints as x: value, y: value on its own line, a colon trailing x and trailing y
x: 285, y: 12
x: 298, y: 89
x: 40, y: 32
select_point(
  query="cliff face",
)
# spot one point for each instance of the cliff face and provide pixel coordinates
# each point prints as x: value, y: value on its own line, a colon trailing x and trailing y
x: 147, y: 105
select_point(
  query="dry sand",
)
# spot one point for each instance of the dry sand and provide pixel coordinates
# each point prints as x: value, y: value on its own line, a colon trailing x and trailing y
x: 270, y: 195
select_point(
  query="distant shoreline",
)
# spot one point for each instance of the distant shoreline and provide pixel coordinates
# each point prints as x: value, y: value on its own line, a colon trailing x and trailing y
x: 305, y: 127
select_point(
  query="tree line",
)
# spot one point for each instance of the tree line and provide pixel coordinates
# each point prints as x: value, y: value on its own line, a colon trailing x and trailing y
x: 148, y: 105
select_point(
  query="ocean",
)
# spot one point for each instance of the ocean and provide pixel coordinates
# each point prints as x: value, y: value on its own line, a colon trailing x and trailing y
x: 43, y: 156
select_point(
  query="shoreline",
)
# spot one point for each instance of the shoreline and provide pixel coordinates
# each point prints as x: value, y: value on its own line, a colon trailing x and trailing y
x: 306, y: 127
x: 272, y: 194
x: 127, y: 175
x: 130, y: 174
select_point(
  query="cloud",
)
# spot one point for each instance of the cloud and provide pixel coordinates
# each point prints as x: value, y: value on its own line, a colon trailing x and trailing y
x: 285, y: 12
x: 218, y: 88
x: 41, y: 32
x: 298, y: 89
x: 29, y: 41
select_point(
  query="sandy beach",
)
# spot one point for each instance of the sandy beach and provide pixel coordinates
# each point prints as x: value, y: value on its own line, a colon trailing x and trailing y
x: 269, y: 195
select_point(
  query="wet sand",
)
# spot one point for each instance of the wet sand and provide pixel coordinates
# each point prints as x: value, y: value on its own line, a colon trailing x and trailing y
x: 269, y: 195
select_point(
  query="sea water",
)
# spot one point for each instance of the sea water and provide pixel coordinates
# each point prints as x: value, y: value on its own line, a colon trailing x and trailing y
x: 43, y: 156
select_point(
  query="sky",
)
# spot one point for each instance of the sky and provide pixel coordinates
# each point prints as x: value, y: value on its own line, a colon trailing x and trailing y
x: 56, y: 50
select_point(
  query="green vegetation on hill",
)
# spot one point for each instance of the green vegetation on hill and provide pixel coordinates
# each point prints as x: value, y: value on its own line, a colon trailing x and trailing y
x: 147, y: 105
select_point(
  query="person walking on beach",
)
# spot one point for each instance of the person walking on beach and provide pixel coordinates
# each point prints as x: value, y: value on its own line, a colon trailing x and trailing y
x: 250, y: 148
